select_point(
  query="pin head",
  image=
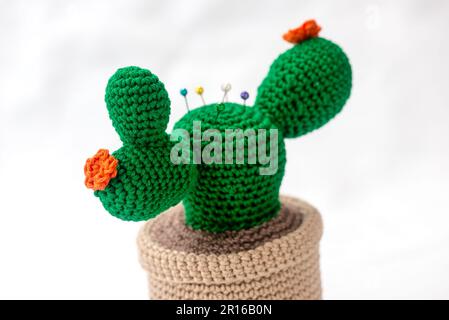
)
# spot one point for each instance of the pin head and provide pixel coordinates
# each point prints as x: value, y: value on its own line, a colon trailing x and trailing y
x: 199, y: 90
x: 226, y: 87
x: 244, y: 95
x: 183, y: 92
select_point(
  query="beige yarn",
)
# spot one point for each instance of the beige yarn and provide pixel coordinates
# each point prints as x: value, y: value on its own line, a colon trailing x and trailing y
x: 282, y: 268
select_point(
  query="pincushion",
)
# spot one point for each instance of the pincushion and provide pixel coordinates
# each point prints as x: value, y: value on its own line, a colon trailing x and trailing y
x: 227, y: 182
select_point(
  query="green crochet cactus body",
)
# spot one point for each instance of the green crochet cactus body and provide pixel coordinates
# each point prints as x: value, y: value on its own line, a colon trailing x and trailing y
x: 232, y: 196
x: 306, y: 87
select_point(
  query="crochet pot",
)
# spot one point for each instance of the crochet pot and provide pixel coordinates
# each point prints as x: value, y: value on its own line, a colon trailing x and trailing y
x: 276, y: 260
x: 234, y: 237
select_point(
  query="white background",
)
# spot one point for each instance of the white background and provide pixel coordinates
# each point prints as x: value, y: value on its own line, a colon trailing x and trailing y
x: 378, y: 172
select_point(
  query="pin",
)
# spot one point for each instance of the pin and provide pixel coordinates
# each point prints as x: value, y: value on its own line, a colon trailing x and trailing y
x: 183, y: 93
x: 226, y: 87
x: 244, y: 95
x: 220, y: 108
x: 200, y: 90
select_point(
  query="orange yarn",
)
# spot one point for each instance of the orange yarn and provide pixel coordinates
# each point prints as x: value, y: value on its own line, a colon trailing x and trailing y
x: 309, y: 29
x: 100, y: 169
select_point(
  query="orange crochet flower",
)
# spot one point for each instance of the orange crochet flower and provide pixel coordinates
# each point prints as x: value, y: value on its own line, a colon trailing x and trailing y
x: 100, y: 169
x: 309, y: 29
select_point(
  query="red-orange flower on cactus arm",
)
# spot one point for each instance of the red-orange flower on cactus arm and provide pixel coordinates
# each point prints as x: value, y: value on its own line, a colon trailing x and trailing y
x: 309, y: 29
x: 100, y: 169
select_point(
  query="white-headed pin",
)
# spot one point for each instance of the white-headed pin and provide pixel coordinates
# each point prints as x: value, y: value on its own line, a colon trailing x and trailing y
x: 226, y: 87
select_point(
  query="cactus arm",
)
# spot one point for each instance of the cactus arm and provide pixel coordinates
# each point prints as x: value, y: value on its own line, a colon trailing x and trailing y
x: 306, y: 86
x: 146, y: 182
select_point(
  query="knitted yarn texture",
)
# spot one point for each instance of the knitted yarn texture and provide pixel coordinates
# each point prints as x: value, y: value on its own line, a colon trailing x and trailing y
x: 305, y: 87
x: 232, y: 196
x: 276, y: 260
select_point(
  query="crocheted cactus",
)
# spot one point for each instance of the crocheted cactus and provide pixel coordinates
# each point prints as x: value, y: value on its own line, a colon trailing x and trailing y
x: 306, y: 86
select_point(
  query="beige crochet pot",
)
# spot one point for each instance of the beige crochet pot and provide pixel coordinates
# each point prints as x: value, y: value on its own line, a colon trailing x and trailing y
x: 277, y: 260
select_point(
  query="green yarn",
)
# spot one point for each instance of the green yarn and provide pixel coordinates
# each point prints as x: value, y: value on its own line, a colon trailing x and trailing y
x: 147, y: 183
x: 138, y: 105
x: 232, y: 196
x: 305, y: 87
